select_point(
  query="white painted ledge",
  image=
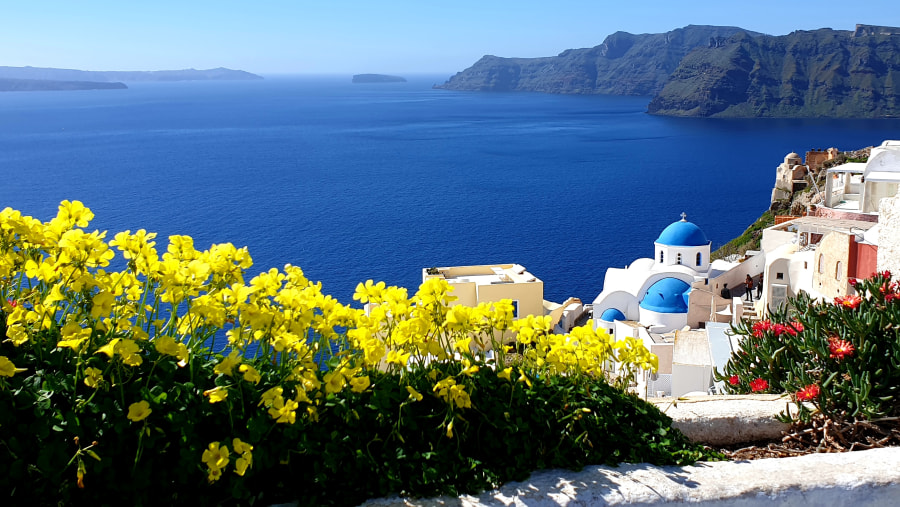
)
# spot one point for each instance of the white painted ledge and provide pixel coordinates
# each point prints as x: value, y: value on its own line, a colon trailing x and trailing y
x: 862, y: 478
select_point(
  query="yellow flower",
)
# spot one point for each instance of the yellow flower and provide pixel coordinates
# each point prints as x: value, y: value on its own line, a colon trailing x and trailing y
x: 7, y: 368
x: 268, y: 398
x: 471, y: 370
x: 129, y: 351
x: 102, y: 304
x: 414, y: 394
x: 464, y: 345
x: 250, y: 373
x: 167, y: 345
x: 227, y: 364
x: 397, y: 357
x: 241, y: 447
x: 216, y: 458
x: 505, y: 373
x: 524, y: 378
x: 242, y: 464
x: 110, y: 348
x: 450, y: 430
x: 246, y: 460
x: 92, y: 377
x: 139, y: 411
x: 216, y: 394
x: 359, y: 384
x: 73, y: 336
x: 283, y: 410
x: 334, y: 382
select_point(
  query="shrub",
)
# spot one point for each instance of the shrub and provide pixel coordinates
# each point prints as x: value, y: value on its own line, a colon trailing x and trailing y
x: 171, y: 380
x: 842, y: 358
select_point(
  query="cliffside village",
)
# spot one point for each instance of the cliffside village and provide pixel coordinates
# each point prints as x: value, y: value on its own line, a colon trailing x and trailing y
x: 844, y: 224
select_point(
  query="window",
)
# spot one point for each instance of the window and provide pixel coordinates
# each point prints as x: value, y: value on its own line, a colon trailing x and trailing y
x: 838, y: 269
x: 821, y: 263
x: 699, y: 258
x: 678, y: 261
x: 515, y: 303
x: 779, y: 296
x: 779, y: 276
x: 660, y: 256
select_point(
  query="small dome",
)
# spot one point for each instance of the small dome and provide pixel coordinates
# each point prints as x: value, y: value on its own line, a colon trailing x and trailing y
x: 791, y: 156
x: 668, y: 295
x: 682, y: 233
x: 612, y: 314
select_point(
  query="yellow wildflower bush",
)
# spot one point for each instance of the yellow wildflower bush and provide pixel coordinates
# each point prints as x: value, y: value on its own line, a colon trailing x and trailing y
x: 98, y: 332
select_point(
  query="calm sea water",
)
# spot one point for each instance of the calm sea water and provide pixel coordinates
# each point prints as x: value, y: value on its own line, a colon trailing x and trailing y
x: 353, y: 182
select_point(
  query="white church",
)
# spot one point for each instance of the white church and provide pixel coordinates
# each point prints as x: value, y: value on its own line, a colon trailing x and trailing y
x: 656, y: 292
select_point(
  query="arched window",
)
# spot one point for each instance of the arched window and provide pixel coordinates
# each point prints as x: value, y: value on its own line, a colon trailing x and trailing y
x: 821, y: 263
x: 838, y: 270
x: 699, y: 258
x: 679, y: 259
x: 660, y: 256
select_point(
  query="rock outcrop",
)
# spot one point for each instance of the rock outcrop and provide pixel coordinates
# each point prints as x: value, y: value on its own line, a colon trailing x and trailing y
x: 377, y: 78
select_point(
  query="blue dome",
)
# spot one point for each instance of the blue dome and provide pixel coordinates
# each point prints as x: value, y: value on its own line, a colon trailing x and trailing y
x: 682, y: 233
x: 668, y: 295
x: 611, y: 314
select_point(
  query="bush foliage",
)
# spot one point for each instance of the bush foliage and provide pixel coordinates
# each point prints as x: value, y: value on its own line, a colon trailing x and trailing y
x: 113, y: 389
x: 842, y: 358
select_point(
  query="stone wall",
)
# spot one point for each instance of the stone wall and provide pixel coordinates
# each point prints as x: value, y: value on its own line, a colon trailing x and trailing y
x: 889, y: 235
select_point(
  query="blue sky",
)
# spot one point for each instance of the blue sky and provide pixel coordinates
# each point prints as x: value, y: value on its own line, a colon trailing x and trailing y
x: 349, y: 36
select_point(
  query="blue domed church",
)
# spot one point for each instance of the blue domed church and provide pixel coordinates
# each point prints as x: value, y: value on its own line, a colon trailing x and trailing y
x: 655, y: 292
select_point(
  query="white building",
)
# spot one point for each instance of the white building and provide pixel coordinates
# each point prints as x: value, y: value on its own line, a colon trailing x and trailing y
x: 656, y: 292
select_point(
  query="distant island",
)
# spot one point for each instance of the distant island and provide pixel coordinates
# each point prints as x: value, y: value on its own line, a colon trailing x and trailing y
x: 41, y: 85
x: 719, y: 71
x: 377, y: 78
x: 40, y: 79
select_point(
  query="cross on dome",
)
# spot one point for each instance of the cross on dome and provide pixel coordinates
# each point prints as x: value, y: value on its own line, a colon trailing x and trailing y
x: 683, y: 216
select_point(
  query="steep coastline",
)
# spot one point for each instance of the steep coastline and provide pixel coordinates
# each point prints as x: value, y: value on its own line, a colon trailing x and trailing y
x: 624, y: 64
x: 820, y: 73
x: 709, y: 71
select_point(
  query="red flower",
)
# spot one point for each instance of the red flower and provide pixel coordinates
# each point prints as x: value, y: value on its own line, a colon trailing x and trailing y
x: 852, y: 281
x: 761, y: 327
x: 734, y: 380
x: 12, y: 302
x: 840, y: 348
x: 849, y: 301
x: 808, y: 393
x: 779, y: 329
x: 759, y: 385
x: 797, y: 327
x: 886, y: 274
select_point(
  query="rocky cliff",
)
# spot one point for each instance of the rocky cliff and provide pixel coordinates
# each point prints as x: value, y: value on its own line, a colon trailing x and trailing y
x: 820, y: 73
x: 625, y: 64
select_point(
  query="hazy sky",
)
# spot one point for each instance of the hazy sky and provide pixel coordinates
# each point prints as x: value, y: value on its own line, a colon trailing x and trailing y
x: 350, y: 36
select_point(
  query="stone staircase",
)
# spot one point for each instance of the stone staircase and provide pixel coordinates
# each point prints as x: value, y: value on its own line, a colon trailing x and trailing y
x: 750, y: 311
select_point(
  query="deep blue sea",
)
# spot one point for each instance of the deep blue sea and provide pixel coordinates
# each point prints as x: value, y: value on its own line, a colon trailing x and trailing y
x: 352, y: 181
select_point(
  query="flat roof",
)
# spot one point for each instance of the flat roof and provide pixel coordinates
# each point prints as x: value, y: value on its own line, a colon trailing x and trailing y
x: 821, y: 225
x: 849, y: 167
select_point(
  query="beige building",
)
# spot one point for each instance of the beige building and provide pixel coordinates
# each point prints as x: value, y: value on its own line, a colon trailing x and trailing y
x: 493, y: 282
